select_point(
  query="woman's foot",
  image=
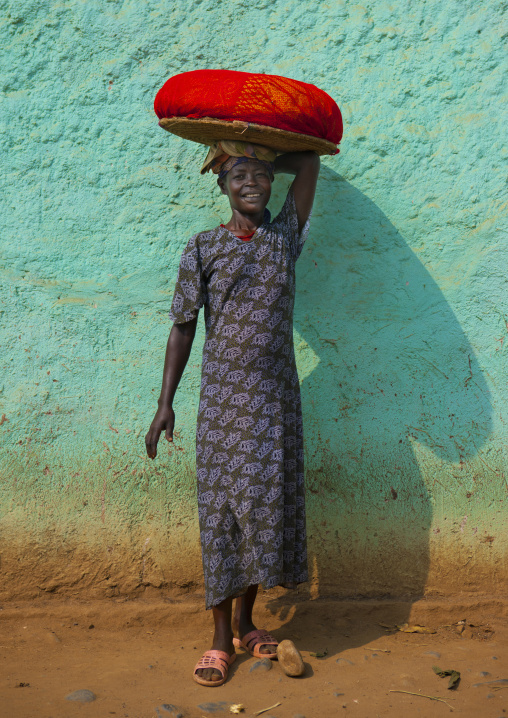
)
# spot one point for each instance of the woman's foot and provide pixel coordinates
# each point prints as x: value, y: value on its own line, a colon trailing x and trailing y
x: 222, y: 639
x: 220, y: 643
x: 259, y: 643
x: 216, y: 662
x: 242, y: 621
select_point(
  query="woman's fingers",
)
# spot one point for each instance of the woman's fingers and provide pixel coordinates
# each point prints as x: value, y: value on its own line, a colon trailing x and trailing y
x: 164, y: 420
x: 170, y: 425
x: 151, y: 440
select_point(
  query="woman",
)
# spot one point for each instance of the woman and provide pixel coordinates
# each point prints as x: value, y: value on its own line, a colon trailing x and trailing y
x: 249, y: 449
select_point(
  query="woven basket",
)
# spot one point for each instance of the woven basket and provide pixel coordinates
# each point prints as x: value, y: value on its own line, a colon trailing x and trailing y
x: 207, y: 130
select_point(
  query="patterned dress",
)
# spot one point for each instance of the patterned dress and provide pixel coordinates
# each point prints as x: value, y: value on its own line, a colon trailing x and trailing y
x: 249, y: 447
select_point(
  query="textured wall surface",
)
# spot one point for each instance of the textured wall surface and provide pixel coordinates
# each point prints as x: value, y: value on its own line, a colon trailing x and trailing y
x: 401, y: 324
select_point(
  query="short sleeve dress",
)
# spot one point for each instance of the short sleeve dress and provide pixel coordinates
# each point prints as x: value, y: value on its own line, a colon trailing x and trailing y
x: 249, y: 442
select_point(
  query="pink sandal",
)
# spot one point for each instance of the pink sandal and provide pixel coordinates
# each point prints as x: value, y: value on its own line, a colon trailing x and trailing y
x: 256, y: 638
x: 220, y: 660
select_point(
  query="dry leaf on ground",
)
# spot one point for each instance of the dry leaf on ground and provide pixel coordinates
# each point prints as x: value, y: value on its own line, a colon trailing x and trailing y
x: 378, y: 650
x: 454, y: 676
x: 406, y: 628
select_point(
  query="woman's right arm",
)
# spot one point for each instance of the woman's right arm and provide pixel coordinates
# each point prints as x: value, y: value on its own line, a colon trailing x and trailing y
x: 177, y: 354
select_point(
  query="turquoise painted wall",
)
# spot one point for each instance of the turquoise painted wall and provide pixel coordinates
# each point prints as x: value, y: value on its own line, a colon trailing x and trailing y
x: 401, y: 316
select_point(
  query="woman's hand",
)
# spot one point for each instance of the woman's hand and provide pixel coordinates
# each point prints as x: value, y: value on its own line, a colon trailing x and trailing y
x: 164, y: 419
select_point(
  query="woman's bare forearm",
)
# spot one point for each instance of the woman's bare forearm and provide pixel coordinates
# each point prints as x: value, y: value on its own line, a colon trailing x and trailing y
x: 178, y: 350
x: 305, y: 167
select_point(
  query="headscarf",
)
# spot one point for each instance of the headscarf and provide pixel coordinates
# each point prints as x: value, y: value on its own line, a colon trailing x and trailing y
x: 226, y: 154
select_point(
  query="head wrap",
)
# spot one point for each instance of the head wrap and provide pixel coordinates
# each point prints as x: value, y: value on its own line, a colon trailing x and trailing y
x: 226, y: 154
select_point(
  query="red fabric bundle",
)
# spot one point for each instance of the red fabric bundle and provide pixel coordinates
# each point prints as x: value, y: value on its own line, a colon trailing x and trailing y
x: 268, y: 100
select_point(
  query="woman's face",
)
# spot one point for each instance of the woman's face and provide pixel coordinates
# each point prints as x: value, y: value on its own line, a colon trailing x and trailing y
x: 248, y: 187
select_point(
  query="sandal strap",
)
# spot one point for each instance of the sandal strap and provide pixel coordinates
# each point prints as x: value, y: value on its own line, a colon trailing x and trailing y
x: 258, y: 638
x: 220, y: 660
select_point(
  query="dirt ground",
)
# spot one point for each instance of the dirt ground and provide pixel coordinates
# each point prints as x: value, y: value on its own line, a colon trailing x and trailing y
x: 137, y: 657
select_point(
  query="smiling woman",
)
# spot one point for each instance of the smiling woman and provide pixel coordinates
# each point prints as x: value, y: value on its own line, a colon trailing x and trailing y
x: 249, y: 449
x: 248, y: 187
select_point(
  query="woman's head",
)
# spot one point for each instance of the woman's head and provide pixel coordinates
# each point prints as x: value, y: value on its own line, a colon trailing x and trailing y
x: 248, y: 185
x: 245, y: 173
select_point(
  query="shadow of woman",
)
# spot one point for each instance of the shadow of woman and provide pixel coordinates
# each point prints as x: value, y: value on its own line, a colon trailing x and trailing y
x: 392, y: 396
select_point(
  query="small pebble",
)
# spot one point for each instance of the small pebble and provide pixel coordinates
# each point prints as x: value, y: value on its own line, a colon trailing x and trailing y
x: 338, y: 694
x: 82, y: 696
x: 494, y: 658
x: 213, y: 707
x: 298, y: 715
x: 264, y: 664
x: 491, y: 695
x: 434, y: 654
x: 484, y: 674
x: 344, y: 662
x: 170, y: 708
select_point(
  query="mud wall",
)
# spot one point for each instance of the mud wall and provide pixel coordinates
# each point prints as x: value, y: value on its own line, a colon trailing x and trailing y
x: 401, y: 319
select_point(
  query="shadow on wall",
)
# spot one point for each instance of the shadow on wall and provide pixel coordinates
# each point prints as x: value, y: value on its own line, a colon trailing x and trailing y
x: 391, y: 392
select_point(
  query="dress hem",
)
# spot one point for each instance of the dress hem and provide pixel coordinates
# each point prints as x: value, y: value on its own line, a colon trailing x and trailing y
x: 266, y: 586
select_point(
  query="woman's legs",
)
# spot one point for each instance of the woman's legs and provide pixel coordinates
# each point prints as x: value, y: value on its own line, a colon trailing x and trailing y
x: 242, y: 624
x: 242, y: 620
x: 222, y: 638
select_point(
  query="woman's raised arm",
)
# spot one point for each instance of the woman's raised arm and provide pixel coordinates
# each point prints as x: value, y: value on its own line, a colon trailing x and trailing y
x: 305, y: 165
